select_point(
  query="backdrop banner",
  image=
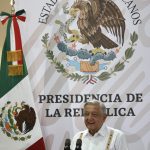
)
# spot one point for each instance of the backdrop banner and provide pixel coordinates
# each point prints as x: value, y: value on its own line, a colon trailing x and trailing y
x: 80, y: 50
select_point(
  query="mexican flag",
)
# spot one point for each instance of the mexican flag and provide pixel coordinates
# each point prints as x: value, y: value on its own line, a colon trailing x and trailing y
x: 19, y: 124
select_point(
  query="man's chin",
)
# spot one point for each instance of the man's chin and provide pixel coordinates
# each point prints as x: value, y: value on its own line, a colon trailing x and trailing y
x: 91, y: 126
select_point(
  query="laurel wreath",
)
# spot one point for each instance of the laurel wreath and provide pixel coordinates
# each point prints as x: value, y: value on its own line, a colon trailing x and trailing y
x: 18, y: 137
x: 104, y: 75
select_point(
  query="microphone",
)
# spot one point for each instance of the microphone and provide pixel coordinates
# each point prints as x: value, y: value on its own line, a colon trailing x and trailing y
x: 67, y: 144
x: 78, y: 144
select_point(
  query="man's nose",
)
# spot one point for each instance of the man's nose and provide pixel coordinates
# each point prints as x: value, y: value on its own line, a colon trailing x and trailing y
x: 90, y: 117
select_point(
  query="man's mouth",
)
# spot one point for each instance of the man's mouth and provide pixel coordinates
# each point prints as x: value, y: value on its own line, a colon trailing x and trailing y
x: 90, y: 123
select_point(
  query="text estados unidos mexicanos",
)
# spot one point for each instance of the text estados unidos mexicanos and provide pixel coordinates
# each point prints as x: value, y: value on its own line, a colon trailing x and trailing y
x: 130, y: 4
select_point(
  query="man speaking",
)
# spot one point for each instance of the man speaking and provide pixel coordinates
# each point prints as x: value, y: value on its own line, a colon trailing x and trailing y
x: 98, y: 136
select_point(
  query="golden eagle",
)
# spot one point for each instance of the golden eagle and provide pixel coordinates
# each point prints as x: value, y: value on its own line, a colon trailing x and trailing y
x: 95, y: 14
x: 26, y: 119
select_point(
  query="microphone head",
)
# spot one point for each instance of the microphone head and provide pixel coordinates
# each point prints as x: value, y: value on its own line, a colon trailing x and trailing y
x: 78, y: 143
x: 67, y: 143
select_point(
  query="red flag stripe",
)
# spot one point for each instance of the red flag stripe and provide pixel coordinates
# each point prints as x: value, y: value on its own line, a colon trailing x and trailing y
x: 39, y: 145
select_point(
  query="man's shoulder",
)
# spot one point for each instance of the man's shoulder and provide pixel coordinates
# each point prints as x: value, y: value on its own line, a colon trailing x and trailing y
x: 80, y: 133
x: 116, y: 131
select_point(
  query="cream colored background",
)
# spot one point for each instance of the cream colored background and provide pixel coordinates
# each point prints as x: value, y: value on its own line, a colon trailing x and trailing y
x: 4, y: 6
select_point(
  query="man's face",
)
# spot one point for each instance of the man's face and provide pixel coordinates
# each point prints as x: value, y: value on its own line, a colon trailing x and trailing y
x: 93, y: 118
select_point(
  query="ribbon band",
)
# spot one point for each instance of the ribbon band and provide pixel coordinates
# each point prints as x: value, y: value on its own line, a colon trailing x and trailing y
x: 17, y: 54
x: 17, y: 16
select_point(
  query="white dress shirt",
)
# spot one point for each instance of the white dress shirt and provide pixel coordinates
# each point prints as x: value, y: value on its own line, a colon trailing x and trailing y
x: 100, y: 139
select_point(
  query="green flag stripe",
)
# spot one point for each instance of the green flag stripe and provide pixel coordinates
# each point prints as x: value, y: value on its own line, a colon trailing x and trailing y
x: 8, y: 82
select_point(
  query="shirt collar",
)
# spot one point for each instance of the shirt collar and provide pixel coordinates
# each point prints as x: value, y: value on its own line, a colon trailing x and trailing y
x: 102, y: 131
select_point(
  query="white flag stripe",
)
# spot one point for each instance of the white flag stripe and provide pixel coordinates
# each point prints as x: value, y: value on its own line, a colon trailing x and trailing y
x: 21, y: 92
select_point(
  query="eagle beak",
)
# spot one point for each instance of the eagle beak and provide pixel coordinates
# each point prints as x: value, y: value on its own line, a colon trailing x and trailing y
x: 72, y: 39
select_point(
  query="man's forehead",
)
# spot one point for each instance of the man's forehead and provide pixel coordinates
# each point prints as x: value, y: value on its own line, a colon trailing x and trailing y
x: 92, y: 107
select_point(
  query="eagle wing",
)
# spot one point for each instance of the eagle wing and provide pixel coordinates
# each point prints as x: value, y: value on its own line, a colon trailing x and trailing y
x: 87, y: 27
x: 109, y: 16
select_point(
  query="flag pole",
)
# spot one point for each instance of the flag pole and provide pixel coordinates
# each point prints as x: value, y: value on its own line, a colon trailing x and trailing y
x: 12, y: 3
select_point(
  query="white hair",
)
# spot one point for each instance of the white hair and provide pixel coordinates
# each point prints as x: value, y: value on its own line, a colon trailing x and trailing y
x: 97, y: 103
